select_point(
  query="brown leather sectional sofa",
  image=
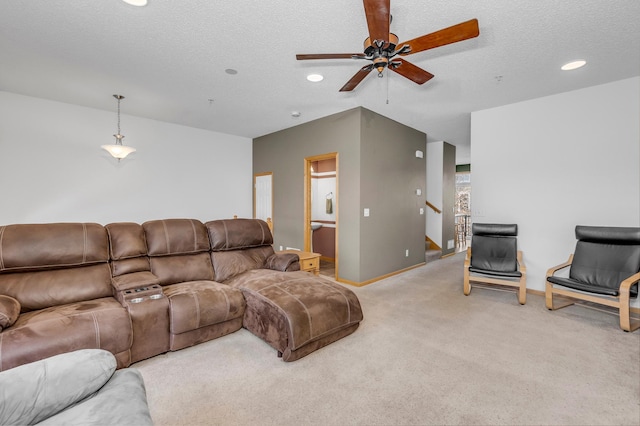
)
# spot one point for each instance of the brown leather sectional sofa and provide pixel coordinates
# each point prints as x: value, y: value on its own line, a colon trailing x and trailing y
x: 139, y: 290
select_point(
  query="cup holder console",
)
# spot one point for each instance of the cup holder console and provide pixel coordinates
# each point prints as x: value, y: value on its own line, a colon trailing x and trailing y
x: 140, y: 294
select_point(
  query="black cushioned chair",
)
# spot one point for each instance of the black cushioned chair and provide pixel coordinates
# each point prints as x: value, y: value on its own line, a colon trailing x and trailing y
x: 494, y: 258
x: 604, y: 269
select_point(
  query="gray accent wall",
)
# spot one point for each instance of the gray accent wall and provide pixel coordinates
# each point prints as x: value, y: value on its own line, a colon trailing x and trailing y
x: 448, y: 196
x: 377, y: 169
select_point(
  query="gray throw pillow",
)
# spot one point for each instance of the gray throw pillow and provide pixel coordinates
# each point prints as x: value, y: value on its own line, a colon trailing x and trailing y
x: 33, y: 392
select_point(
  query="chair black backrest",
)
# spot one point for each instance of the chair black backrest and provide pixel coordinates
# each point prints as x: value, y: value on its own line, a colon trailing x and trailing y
x: 605, y: 256
x: 494, y: 247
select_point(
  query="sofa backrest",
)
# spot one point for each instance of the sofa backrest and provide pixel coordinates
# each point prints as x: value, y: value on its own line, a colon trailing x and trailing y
x: 43, y: 265
x: 238, y: 245
x: 127, y: 248
x: 605, y: 256
x: 178, y: 250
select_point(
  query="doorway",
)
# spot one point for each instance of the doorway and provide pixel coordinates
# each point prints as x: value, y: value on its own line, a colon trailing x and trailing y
x: 320, y: 210
x: 263, y: 197
x: 463, y: 207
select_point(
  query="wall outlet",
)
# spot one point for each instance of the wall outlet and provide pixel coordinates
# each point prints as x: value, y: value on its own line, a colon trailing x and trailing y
x: 366, y: 212
x: 280, y: 248
x: 450, y: 244
x: 406, y: 253
x: 421, y: 210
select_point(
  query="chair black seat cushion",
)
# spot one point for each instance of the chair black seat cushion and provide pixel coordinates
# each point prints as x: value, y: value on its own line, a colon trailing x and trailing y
x: 506, y: 274
x: 604, y: 257
x: 494, y: 249
x: 577, y: 285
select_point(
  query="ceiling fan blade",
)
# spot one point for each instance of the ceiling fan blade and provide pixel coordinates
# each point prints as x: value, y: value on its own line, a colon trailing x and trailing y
x: 378, y: 13
x: 329, y: 56
x: 459, y: 32
x: 357, y: 78
x: 410, y: 71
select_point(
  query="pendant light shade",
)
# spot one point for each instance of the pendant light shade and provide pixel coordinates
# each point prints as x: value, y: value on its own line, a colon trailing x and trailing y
x: 118, y: 150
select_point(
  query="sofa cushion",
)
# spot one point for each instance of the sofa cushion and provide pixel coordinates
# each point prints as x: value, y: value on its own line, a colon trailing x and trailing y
x: 175, y: 236
x: 42, y: 289
x: 54, y: 245
x: 33, y: 392
x: 95, y: 324
x: 9, y: 311
x: 304, y: 307
x: 233, y: 234
x: 177, y: 269
x: 126, y: 240
x: 228, y: 264
x: 198, y: 304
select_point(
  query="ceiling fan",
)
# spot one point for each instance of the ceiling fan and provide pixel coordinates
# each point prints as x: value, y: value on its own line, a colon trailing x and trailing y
x: 380, y: 46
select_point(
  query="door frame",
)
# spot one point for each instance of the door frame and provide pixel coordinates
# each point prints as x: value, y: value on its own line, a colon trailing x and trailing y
x: 307, y: 200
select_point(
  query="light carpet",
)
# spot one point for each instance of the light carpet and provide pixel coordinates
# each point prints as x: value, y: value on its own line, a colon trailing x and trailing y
x: 424, y: 354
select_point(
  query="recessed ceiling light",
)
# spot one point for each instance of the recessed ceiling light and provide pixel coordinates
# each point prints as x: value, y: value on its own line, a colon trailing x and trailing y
x: 231, y: 71
x: 136, y: 2
x: 573, y: 65
x: 315, y: 77
x: 295, y: 114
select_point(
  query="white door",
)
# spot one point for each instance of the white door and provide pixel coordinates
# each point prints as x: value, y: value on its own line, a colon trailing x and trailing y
x: 263, y: 198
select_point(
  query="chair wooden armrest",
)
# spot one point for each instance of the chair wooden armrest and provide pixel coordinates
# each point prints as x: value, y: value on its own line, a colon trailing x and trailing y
x: 467, y: 259
x: 556, y: 268
x: 521, y: 266
x: 548, y: 293
x: 625, y: 320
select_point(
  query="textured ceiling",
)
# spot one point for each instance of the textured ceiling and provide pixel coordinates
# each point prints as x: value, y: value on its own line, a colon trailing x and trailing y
x: 169, y: 58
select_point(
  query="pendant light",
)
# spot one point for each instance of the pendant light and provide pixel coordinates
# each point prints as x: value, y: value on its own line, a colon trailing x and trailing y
x: 118, y: 150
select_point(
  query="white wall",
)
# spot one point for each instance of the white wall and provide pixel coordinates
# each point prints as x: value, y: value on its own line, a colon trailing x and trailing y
x: 552, y: 163
x: 435, y: 181
x: 52, y: 167
x: 321, y: 189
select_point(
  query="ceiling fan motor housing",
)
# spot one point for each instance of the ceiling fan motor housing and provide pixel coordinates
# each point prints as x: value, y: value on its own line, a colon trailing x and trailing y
x: 380, y: 51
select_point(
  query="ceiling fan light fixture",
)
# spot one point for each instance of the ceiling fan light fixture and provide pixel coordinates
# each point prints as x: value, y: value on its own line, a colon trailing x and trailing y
x: 138, y: 3
x: 573, y: 65
x: 315, y: 78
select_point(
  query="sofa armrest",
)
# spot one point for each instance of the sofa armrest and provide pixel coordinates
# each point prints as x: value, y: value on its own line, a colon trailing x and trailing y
x: 134, y: 281
x: 284, y: 262
x: 132, y: 288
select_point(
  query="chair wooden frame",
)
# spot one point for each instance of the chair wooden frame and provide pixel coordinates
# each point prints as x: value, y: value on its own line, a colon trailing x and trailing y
x: 621, y: 302
x: 521, y: 284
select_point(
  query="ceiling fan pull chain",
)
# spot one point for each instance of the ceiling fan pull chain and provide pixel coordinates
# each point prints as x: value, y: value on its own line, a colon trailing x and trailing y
x: 388, y: 77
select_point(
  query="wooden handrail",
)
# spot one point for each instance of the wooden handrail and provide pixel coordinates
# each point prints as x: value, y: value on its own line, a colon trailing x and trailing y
x: 434, y: 208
